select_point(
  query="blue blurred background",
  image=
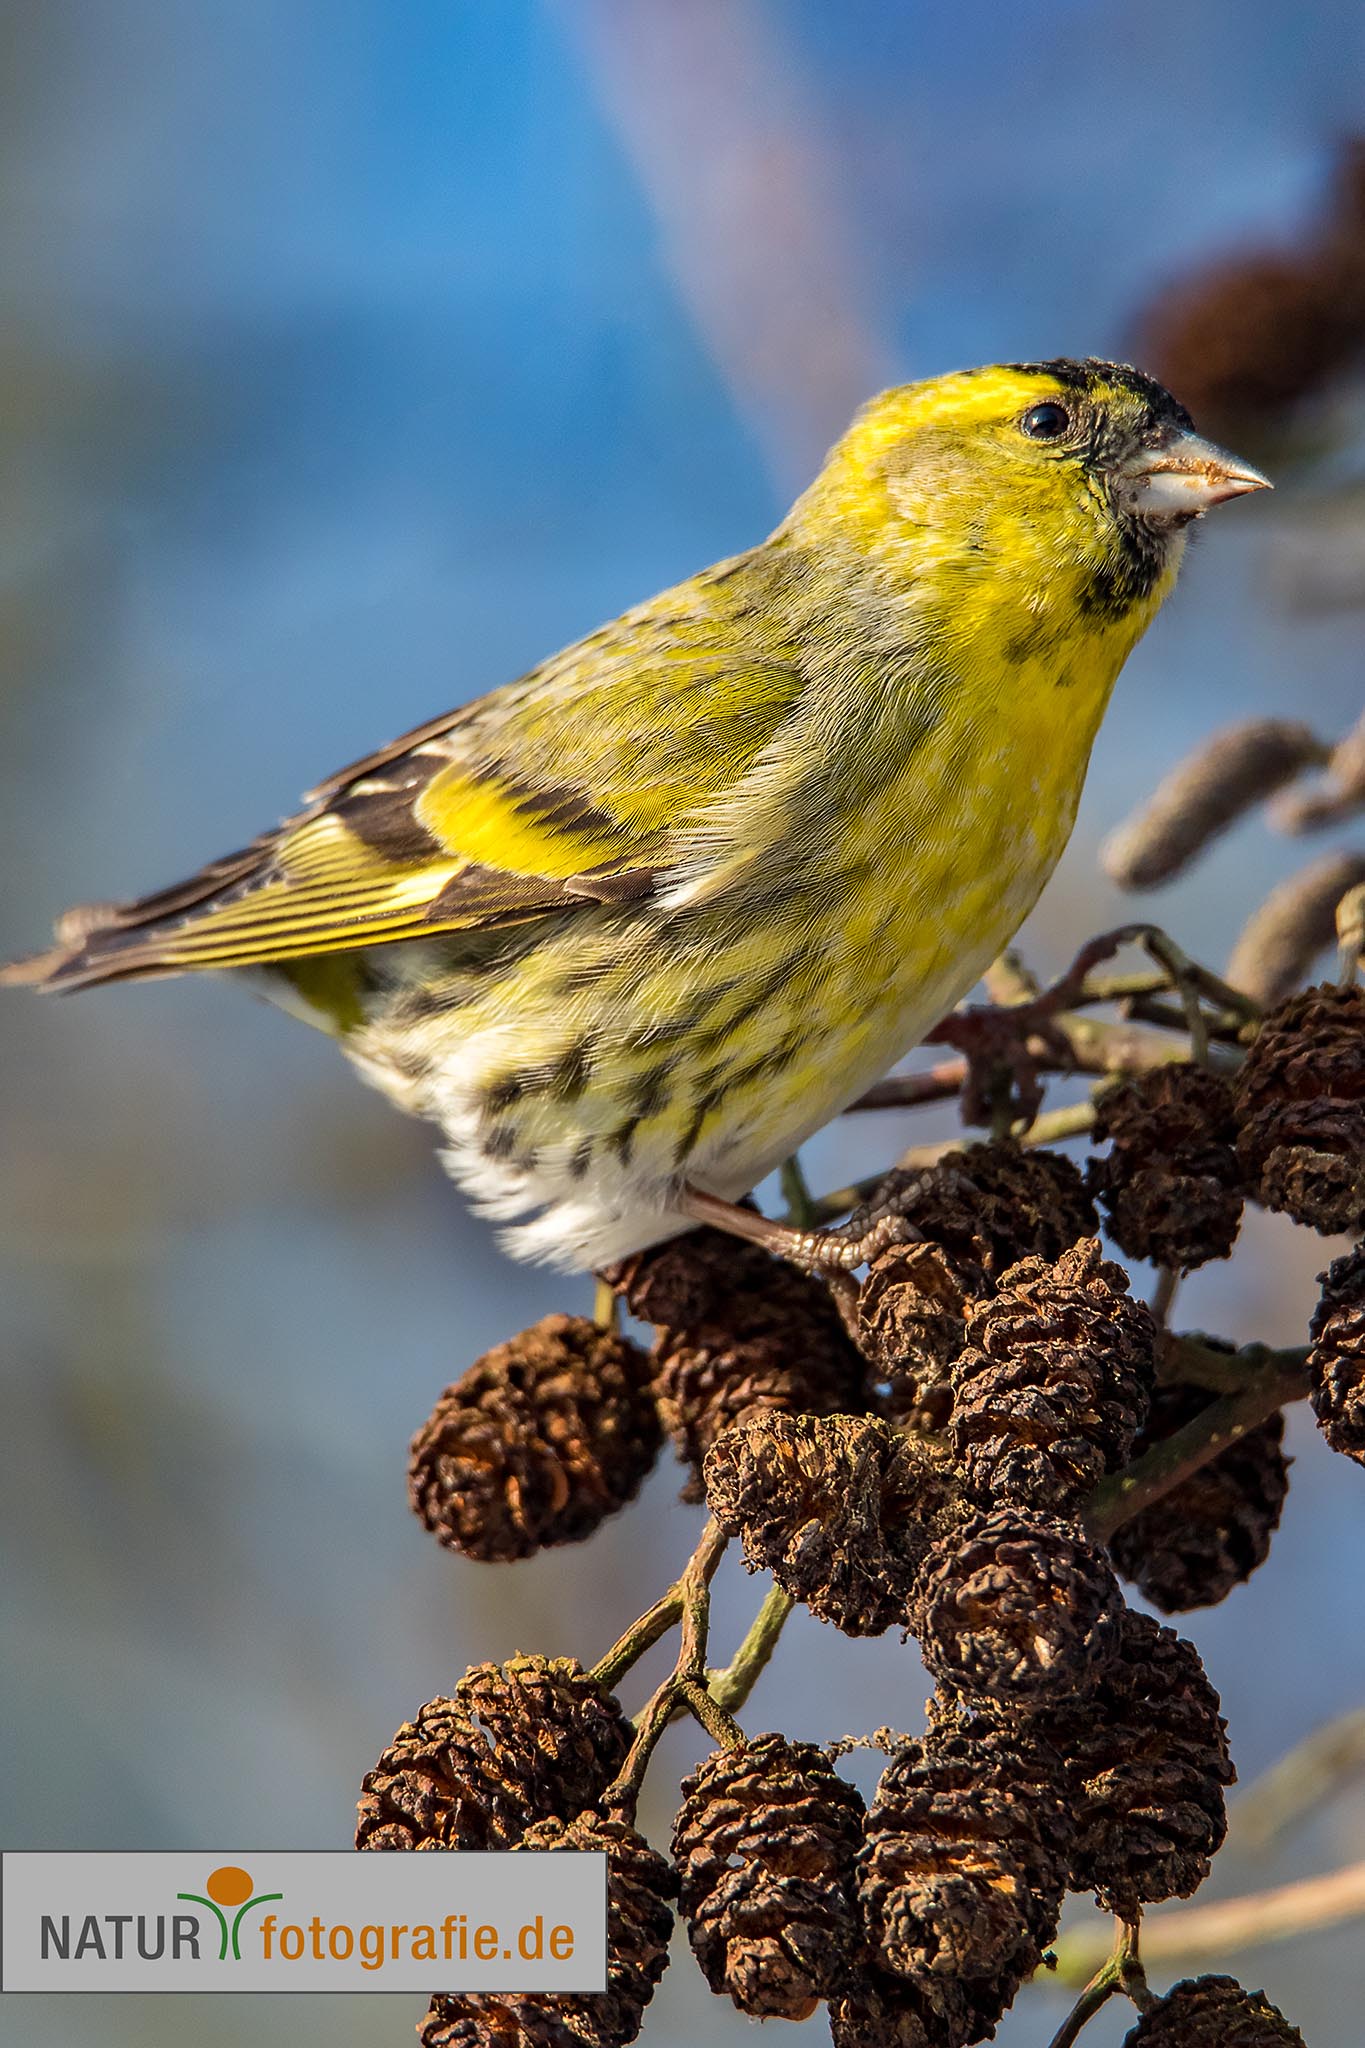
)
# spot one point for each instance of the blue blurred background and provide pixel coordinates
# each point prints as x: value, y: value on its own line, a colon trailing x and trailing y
x: 354, y: 357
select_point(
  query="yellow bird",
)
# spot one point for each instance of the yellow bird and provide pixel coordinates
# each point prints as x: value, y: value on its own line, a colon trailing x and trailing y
x: 631, y: 928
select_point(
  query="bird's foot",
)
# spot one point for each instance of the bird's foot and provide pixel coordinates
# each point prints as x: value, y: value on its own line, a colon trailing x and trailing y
x: 830, y: 1254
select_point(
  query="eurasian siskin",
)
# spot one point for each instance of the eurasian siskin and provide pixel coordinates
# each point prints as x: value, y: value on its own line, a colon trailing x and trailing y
x: 631, y: 928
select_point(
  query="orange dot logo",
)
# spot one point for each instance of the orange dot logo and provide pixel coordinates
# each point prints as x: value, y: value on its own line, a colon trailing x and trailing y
x: 229, y: 1885
x: 228, y: 1889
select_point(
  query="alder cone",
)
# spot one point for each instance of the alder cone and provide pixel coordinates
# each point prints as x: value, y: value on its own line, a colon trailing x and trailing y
x: 839, y: 1508
x: 738, y: 1332
x: 1211, y: 1532
x: 1336, y: 1360
x: 1016, y: 1607
x: 960, y: 1876
x: 892, y: 2012
x: 534, y: 1738
x: 1213, y: 2012
x: 541, y: 1440
x: 1053, y: 1381
x: 1245, y: 339
x: 640, y: 1888
x: 911, y: 1326
x: 1148, y: 1761
x: 993, y: 1751
x: 696, y: 1278
x: 765, y: 1842
x: 1300, y: 1105
x: 1170, y: 1187
x: 986, y: 1207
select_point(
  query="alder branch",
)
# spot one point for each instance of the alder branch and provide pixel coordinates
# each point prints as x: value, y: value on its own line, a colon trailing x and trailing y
x: 688, y: 1600
x: 1275, y: 1378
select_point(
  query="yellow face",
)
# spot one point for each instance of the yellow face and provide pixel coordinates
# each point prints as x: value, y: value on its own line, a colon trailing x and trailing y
x: 1065, y: 480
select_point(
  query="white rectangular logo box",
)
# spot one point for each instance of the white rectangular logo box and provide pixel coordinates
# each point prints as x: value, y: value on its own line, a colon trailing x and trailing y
x: 303, y: 1920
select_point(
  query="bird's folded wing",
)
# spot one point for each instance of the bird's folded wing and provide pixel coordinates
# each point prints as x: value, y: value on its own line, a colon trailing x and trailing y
x: 558, y: 792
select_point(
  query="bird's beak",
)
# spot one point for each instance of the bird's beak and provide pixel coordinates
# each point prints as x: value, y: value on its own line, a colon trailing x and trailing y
x: 1184, y: 476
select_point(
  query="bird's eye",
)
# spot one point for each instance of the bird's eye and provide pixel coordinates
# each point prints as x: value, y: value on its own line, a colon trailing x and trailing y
x: 1046, y: 422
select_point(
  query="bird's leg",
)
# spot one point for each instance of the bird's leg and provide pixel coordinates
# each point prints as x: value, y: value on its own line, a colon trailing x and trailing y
x: 833, y: 1254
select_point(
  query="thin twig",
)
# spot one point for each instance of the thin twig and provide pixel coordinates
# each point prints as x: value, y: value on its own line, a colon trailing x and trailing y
x: 1312, y: 1771
x: 1010, y: 980
x: 642, y: 1635
x: 796, y: 1193
x: 1120, y: 1970
x: 606, y: 1306
x: 1186, y: 1361
x: 914, y: 1091
x: 1276, y: 1377
x: 657, y: 1620
x: 1164, y: 1293
x: 684, y: 1690
x: 731, y: 1687
x: 1100, y: 1989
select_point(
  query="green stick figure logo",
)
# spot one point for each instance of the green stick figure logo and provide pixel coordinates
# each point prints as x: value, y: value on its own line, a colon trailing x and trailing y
x: 229, y: 1886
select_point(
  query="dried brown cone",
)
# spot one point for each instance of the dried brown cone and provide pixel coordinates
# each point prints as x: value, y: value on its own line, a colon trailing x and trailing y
x: 839, y: 1508
x: 911, y: 1326
x: 640, y: 1886
x: 1248, y: 339
x: 896, y: 2012
x: 1209, y: 790
x: 1300, y: 1101
x: 692, y: 1279
x: 541, y: 1440
x: 1297, y: 922
x: 765, y: 1841
x: 1148, y: 1760
x: 1170, y: 1187
x: 1209, y: 1533
x: 531, y: 1739
x: 986, y: 1207
x: 1336, y: 1361
x: 1016, y: 1607
x: 995, y: 1750
x: 1213, y: 2012
x: 961, y: 1875
x: 892, y: 2012
x: 739, y: 1333
x: 1053, y: 1381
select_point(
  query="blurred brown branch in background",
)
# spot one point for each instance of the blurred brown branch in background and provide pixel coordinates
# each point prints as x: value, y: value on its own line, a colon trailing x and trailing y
x: 753, y: 224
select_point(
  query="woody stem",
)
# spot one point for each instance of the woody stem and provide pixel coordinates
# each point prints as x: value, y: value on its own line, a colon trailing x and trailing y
x: 1273, y: 1378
